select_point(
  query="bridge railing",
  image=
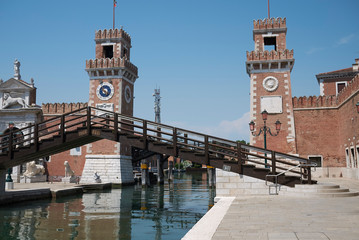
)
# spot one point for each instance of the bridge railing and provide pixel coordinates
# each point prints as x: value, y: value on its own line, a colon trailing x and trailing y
x: 210, y: 146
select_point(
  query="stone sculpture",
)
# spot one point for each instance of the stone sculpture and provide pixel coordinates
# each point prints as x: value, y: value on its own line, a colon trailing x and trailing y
x: 68, y: 171
x: 10, y: 101
x: 17, y: 70
x: 33, y: 169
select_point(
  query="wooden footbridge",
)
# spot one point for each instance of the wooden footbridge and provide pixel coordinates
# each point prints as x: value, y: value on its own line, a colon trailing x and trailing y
x: 90, y: 124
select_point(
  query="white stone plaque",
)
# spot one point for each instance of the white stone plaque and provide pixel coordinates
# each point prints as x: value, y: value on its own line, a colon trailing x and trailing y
x: 273, y: 104
x: 104, y: 106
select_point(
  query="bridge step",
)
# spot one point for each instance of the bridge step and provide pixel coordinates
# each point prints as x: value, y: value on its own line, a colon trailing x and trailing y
x: 321, y: 190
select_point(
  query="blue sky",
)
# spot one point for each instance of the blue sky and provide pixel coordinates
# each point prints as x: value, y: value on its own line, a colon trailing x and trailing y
x: 195, y: 51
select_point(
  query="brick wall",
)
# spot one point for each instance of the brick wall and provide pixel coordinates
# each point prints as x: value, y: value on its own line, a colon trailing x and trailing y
x: 285, y: 141
x: 327, y: 125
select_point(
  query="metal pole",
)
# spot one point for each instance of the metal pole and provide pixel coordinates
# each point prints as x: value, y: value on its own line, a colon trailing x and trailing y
x: 265, y: 143
x: 113, y: 24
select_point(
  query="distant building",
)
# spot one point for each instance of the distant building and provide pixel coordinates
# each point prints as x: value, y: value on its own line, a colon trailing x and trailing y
x: 18, y: 108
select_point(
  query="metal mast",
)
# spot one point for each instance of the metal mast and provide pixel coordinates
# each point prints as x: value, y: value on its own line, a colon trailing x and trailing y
x: 157, y: 105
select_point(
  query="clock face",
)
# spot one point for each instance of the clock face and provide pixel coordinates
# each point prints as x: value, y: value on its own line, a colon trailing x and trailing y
x: 105, y: 91
x: 128, y: 94
x: 270, y: 84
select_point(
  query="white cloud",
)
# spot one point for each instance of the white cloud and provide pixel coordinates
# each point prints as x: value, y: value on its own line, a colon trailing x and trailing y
x: 346, y: 39
x: 228, y: 129
x: 313, y: 50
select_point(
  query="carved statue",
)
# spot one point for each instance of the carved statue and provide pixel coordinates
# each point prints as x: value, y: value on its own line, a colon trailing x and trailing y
x: 33, y: 169
x: 68, y: 171
x: 17, y: 69
x: 10, y: 101
x: 96, y: 177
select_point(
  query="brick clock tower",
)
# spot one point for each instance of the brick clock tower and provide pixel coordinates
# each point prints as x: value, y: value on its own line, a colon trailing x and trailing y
x: 269, y: 67
x: 112, y: 79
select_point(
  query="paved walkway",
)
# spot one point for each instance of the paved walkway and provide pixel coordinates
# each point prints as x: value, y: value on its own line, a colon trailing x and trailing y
x: 52, y: 186
x: 287, y: 218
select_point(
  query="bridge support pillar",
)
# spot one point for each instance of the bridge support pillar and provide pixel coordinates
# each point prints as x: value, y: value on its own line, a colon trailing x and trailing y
x: 211, y: 176
x: 160, y: 178
x: 145, y: 177
x: 2, y: 182
x: 170, y: 171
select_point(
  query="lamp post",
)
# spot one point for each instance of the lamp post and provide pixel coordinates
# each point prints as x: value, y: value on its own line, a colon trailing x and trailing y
x: 265, y: 130
x: 357, y: 107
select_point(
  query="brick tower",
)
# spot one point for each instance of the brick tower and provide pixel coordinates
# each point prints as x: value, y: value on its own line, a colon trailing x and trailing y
x: 112, y: 79
x: 269, y: 67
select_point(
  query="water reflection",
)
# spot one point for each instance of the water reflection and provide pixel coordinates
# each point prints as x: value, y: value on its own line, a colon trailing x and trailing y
x: 158, y: 212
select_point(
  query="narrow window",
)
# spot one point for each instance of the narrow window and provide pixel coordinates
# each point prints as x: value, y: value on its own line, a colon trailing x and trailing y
x: 347, y: 158
x: 317, y: 160
x: 352, y: 155
x: 75, y: 151
x: 340, y: 86
x: 124, y: 52
x: 108, y: 51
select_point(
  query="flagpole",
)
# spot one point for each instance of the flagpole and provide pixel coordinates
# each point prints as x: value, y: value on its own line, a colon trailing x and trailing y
x: 268, y: 10
x: 113, y: 25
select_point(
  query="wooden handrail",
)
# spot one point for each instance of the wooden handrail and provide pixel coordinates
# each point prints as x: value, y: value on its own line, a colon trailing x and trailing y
x: 211, y: 146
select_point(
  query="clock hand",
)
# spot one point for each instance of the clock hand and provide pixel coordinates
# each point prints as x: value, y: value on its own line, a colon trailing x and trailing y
x: 105, y: 91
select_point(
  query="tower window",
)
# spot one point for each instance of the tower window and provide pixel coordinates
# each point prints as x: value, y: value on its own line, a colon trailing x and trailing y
x: 270, y: 43
x: 340, y: 86
x: 108, y: 51
x: 124, y: 52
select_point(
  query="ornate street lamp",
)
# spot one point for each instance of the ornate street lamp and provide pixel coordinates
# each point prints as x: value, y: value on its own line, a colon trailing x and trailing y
x: 265, y: 130
x: 357, y: 107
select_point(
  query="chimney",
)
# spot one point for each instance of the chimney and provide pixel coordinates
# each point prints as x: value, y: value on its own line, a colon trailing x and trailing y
x: 356, y: 65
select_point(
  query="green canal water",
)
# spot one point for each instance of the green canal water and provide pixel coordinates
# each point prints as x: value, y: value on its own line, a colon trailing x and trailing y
x: 164, y: 212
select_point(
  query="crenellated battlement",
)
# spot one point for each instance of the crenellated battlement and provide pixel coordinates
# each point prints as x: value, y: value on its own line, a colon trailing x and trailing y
x: 351, y: 88
x: 269, y: 55
x: 328, y: 101
x: 314, y: 102
x: 99, y: 63
x: 112, y: 33
x: 269, y: 23
x: 61, y: 108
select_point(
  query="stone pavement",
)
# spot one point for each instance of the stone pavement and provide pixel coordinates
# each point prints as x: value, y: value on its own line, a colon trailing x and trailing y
x: 283, y: 217
x: 52, y: 186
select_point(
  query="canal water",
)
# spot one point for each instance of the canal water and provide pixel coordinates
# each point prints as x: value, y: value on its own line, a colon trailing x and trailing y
x: 167, y: 211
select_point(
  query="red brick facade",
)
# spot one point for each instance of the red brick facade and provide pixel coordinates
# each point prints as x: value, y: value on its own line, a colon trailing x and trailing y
x: 111, y: 67
x: 326, y: 126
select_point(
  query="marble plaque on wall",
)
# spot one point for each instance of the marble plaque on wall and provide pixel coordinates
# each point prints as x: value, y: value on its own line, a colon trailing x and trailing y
x: 273, y: 104
x: 104, y: 106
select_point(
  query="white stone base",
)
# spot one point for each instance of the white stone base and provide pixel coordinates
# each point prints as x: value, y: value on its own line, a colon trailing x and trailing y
x: 9, y: 185
x: 110, y: 168
x: 34, y: 179
x: 229, y: 184
x: 69, y: 179
x: 336, y: 172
